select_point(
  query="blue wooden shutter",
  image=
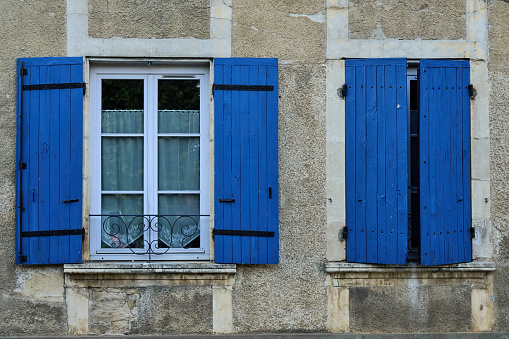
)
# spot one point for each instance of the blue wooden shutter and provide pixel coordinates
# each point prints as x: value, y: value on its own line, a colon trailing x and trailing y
x: 376, y: 161
x: 444, y: 123
x: 49, y: 160
x: 246, y: 161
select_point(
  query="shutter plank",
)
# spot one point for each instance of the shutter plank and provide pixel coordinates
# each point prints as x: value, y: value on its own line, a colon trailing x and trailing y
x: 272, y: 160
x: 391, y: 168
x: 45, y: 149
x: 56, y: 243
x: 401, y: 233
x: 76, y: 179
x: 245, y: 167
x: 371, y: 162
x: 32, y: 208
x: 466, y: 244
x: 254, y: 190
x: 350, y: 169
x: 381, y: 164
x: 360, y: 163
x: 219, y: 161
x: 65, y: 153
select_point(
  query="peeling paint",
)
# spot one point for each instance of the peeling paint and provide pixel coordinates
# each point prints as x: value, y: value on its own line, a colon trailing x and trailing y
x: 317, y: 17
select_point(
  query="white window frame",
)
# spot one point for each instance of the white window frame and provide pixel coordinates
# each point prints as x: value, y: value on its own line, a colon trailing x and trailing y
x: 151, y: 74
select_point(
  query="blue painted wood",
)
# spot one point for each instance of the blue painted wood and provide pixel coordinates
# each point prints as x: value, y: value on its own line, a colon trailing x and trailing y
x: 251, y: 166
x: 48, y: 145
x: 376, y: 162
x: 350, y: 169
x: 445, y: 146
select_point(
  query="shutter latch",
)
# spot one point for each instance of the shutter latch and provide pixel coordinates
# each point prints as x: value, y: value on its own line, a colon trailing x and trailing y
x: 22, y: 165
x: 472, y: 232
x: 22, y: 258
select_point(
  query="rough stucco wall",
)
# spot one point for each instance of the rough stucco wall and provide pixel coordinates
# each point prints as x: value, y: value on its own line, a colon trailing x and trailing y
x: 151, y: 310
x: 499, y: 127
x: 35, y: 300
x: 291, y: 295
x: 149, y: 19
x: 414, y: 309
x: 407, y: 20
x: 288, y: 30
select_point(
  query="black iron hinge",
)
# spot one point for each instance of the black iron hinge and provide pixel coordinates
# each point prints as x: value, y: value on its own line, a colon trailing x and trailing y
x: 344, y: 232
x: 342, y: 91
x: 22, y: 258
x: 22, y: 165
x: 472, y: 232
x: 23, y: 71
x: 472, y: 93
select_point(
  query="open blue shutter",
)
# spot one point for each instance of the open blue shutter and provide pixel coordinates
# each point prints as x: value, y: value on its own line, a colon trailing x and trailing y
x: 49, y: 160
x: 376, y: 161
x: 444, y: 123
x: 246, y: 161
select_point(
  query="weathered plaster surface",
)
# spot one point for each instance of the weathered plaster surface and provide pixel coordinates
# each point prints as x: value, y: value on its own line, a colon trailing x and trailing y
x: 33, y: 296
x: 149, y: 19
x: 407, y: 20
x: 293, y: 31
x: 80, y: 43
x: 498, y: 68
x: 292, y: 295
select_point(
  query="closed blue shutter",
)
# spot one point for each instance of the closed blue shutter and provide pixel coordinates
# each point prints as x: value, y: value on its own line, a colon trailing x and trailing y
x: 376, y: 161
x: 49, y: 160
x: 246, y: 161
x: 444, y: 124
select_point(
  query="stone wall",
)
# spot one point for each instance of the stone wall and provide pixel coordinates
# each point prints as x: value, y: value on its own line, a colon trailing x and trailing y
x: 499, y: 127
x: 310, y: 39
x: 32, y: 298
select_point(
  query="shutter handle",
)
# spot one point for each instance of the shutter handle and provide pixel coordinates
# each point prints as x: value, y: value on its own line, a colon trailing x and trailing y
x: 227, y: 200
x: 68, y: 201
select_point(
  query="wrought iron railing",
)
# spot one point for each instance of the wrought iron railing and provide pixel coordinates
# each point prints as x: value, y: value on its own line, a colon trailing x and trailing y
x: 150, y: 234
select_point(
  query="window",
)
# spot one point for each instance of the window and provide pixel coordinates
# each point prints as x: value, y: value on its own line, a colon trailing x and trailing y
x: 149, y: 162
x: 408, y: 161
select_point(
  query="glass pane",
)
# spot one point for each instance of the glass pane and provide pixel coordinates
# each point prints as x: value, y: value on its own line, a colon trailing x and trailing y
x: 122, y: 164
x: 178, y: 106
x: 122, y: 106
x: 179, y: 163
x: 180, y: 227
x: 118, y: 230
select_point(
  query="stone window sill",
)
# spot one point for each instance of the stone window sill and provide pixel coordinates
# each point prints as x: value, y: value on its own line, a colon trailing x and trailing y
x: 119, y: 274
x: 149, y: 268
x: 345, y: 267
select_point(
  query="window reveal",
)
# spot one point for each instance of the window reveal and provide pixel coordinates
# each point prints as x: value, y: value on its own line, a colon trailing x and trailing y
x: 153, y: 176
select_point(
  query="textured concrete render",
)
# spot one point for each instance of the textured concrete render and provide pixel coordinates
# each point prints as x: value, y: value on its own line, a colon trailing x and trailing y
x: 485, y: 335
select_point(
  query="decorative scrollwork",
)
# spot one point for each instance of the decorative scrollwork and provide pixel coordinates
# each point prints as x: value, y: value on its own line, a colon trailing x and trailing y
x: 150, y: 234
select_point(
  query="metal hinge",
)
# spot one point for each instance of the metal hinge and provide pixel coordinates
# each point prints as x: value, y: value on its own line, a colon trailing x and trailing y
x: 472, y: 93
x: 22, y: 165
x: 472, y: 232
x: 22, y: 258
x: 23, y: 71
x: 344, y: 233
x: 342, y: 91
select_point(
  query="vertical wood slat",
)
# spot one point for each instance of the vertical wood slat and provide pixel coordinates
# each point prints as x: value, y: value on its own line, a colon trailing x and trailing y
x: 48, y: 146
x: 376, y: 162
x: 445, y: 162
x: 252, y: 166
